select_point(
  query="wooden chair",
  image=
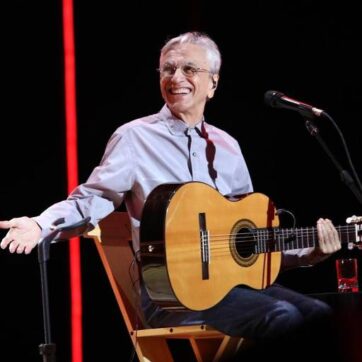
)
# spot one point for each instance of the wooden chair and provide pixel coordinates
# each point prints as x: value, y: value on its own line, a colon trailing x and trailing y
x: 112, y: 238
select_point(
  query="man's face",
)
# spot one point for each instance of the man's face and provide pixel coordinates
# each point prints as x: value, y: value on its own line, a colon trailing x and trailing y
x: 186, y: 94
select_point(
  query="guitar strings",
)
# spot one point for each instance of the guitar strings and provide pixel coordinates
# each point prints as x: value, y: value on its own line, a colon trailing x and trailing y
x: 274, y: 238
x: 289, y: 232
x: 280, y: 232
x: 266, y: 239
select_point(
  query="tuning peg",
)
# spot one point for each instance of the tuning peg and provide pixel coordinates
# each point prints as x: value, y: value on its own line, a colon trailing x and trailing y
x: 354, y: 219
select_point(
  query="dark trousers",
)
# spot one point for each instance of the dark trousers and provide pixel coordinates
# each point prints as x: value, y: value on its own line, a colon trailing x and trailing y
x: 280, y: 322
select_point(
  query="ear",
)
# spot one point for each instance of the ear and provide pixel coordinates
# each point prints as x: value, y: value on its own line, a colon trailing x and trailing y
x: 214, y: 80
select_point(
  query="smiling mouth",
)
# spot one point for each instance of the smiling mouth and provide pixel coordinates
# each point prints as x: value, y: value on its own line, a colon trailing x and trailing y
x: 180, y: 91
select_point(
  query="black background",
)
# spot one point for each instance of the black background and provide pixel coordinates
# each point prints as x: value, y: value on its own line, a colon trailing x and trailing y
x: 307, y: 50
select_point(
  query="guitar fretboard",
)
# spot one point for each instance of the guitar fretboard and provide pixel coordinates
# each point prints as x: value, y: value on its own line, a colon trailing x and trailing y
x: 277, y: 239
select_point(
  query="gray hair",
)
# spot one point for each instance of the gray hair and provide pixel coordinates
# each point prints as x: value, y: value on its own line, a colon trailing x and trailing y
x: 202, y: 40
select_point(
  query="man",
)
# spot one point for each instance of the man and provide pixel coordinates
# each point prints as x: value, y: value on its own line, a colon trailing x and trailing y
x: 176, y: 145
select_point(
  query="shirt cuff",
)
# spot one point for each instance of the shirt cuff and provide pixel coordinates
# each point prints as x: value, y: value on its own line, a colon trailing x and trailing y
x: 306, y: 257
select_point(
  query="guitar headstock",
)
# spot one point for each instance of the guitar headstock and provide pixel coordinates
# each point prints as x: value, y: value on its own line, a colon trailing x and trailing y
x: 357, y: 222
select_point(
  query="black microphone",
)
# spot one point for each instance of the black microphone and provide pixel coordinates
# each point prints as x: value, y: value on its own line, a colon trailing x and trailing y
x: 277, y: 99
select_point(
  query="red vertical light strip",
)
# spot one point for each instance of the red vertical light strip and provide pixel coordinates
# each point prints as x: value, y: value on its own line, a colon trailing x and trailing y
x: 72, y: 176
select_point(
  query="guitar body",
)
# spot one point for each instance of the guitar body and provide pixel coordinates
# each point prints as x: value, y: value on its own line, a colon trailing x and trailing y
x: 194, y: 245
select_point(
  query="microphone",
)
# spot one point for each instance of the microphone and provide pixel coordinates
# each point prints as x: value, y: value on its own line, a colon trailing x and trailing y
x: 277, y: 99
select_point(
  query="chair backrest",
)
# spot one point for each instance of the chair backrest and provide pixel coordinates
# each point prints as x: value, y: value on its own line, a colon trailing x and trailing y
x: 113, y: 241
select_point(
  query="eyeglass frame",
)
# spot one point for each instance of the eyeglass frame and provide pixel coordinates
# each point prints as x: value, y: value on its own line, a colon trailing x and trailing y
x: 194, y: 70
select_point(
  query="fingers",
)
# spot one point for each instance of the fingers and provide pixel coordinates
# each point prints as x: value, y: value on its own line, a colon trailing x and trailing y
x: 328, y: 236
x: 8, y: 224
x: 28, y: 249
x: 15, y: 246
x: 22, y: 235
x: 20, y: 248
x: 6, y: 240
x: 9, y: 240
x: 5, y: 224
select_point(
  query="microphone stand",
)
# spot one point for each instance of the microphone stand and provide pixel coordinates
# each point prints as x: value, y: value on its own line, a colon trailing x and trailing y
x: 345, y: 176
x: 48, y: 349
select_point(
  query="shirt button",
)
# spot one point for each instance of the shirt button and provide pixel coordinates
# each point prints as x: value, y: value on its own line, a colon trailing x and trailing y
x: 194, y: 154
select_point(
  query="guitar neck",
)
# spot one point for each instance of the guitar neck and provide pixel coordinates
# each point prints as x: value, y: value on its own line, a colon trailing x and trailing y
x: 276, y: 239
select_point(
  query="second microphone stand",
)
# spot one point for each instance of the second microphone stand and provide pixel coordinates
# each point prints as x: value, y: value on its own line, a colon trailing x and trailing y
x: 59, y: 232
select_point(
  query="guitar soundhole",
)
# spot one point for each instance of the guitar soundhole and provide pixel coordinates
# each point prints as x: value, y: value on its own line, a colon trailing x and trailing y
x: 245, y: 243
x: 242, y: 243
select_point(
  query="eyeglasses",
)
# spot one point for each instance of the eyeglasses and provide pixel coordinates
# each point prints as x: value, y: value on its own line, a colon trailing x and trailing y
x: 188, y: 70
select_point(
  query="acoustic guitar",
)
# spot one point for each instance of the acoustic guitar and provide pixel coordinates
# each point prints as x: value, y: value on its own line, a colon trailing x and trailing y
x: 196, y: 245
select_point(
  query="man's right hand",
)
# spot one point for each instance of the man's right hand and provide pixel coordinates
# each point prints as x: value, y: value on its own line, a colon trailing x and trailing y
x: 23, y: 235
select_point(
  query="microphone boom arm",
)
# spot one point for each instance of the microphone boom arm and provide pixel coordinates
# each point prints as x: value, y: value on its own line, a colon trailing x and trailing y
x: 345, y: 176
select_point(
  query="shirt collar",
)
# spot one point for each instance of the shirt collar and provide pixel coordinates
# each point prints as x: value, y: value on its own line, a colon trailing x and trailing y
x: 175, y: 125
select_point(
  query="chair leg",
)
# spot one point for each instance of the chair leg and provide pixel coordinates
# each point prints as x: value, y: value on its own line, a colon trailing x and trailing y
x: 227, y: 349
x: 205, y: 349
x: 153, y: 349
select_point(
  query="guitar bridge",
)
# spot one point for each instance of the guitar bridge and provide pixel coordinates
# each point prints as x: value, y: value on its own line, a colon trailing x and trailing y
x: 204, y: 246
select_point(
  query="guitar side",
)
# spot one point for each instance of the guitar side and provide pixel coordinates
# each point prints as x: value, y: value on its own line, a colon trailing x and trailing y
x: 152, y: 247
